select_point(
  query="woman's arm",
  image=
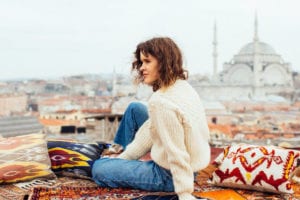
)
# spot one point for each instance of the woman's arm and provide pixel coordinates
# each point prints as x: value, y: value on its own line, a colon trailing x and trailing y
x: 140, y: 145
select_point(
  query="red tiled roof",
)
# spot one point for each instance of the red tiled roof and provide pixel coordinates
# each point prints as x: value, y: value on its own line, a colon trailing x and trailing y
x: 58, y: 122
x: 220, y: 128
x: 96, y: 111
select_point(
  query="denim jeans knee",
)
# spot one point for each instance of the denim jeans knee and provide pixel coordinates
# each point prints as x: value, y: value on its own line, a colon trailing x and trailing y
x: 134, y: 117
x: 115, y: 172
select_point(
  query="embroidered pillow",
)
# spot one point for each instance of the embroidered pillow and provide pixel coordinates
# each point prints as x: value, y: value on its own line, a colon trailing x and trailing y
x: 73, y: 158
x: 23, y: 158
x: 263, y: 168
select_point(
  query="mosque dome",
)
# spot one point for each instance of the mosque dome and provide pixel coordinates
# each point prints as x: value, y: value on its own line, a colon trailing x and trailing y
x: 263, y: 48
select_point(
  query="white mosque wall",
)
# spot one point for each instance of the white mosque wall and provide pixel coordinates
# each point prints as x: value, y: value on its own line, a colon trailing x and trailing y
x: 219, y: 92
x: 239, y: 74
x: 276, y: 74
x: 240, y: 92
x: 264, y: 57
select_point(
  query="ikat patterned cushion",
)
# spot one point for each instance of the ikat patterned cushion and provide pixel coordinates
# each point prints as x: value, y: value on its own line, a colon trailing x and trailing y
x: 23, y: 158
x: 73, y: 158
x: 263, y: 168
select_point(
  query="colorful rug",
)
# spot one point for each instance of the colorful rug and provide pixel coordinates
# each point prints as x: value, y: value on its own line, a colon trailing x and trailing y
x: 95, y: 193
x: 81, y: 193
x: 220, y: 195
x: 72, y: 188
x: 12, y: 192
x: 19, y: 191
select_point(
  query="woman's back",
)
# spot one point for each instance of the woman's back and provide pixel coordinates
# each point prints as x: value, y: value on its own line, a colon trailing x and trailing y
x: 185, y: 102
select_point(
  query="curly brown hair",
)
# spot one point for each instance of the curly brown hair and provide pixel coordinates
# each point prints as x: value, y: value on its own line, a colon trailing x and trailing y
x: 169, y: 59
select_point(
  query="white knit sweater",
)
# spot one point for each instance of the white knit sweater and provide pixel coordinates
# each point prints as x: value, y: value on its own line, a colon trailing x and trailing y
x: 177, y: 135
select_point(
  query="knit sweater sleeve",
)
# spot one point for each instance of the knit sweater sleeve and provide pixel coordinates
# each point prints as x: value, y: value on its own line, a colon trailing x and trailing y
x: 140, y: 145
x: 169, y: 128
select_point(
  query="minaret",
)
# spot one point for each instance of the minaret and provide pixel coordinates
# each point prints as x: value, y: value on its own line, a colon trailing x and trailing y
x: 257, y: 66
x: 114, y: 83
x: 255, y: 38
x: 215, y: 53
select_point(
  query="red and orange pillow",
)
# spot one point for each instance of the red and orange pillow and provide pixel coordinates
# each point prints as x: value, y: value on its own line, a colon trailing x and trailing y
x: 23, y: 158
x: 262, y: 168
x: 28, y: 157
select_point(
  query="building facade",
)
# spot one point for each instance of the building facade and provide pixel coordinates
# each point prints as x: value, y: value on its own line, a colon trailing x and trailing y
x: 256, y: 72
x: 11, y: 104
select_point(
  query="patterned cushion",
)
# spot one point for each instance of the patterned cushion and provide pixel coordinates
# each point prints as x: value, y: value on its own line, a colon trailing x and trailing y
x: 73, y: 158
x: 23, y: 158
x: 263, y: 168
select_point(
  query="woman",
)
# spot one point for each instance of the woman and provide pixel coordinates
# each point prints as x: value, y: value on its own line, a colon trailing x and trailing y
x: 175, y: 132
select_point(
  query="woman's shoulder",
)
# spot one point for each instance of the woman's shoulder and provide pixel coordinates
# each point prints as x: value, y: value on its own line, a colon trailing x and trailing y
x: 181, y: 89
x: 161, y: 100
x: 179, y: 93
x: 176, y: 88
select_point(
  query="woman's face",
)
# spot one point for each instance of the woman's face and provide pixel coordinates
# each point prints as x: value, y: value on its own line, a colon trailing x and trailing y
x: 149, y: 69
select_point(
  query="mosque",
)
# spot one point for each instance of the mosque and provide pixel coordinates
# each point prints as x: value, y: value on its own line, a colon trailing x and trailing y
x: 256, y: 72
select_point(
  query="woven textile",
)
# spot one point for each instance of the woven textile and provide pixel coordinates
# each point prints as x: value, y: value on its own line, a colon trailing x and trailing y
x: 24, y: 158
x: 202, y: 189
x: 19, y: 191
x: 12, y: 192
x: 73, y: 158
x: 84, y: 193
x: 263, y: 168
x: 221, y: 195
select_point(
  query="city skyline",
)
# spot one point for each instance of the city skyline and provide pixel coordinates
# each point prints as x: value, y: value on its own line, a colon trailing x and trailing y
x: 40, y: 39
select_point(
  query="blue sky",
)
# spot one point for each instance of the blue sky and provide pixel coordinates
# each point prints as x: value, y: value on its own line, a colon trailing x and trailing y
x: 49, y: 38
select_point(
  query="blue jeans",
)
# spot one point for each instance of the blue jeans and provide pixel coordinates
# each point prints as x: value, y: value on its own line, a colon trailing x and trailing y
x: 135, y: 174
x: 134, y: 117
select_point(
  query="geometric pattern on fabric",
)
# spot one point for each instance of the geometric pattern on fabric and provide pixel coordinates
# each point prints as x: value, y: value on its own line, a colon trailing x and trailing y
x: 73, y: 158
x: 23, y: 158
x: 262, y: 168
x: 67, y: 190
x: 84, y: 193
x: 202, y: 189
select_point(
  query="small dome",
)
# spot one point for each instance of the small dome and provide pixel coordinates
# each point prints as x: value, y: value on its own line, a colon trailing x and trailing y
x: 264, y: 48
